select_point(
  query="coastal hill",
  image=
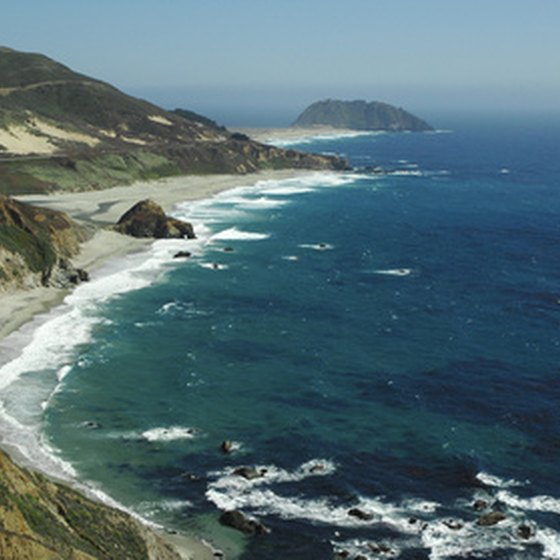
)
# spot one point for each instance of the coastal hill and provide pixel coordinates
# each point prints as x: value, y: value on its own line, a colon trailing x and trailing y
x: 360, y: 115
x: 61, y: 130
x: 36, y: 245
x: 43, y: 520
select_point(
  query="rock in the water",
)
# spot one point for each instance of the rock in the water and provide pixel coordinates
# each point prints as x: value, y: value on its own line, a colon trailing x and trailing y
x: 227, y: 446
x: 147, y: 219
x: 453, y: 524
x: 239, y: 521
x: 182, y: 255
x: 360, y: 514
x: 480, y: 505
x: 492, y: 518
x: 380, y: 548
x: 524, y: 532
x: 249, y: 473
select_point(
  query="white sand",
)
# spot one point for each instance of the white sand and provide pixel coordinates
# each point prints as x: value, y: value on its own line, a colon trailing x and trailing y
x: 292, y: 133
x: 35, y: 137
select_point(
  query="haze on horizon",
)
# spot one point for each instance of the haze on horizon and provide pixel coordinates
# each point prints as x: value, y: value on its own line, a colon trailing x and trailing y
x: 260, y: 62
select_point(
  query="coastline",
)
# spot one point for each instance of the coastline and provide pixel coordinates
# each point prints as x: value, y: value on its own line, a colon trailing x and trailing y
x: 293, y: 134
x: 102, y: 208
x: 99, y: 208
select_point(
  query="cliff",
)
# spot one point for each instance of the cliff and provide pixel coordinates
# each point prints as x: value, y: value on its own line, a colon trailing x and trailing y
x: 43, y: 520
x: 36, y: 245
x: 360, y: 115
x: 60, y: 130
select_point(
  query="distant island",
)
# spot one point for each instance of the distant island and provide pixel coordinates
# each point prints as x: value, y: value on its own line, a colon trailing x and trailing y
x: 360, y: 115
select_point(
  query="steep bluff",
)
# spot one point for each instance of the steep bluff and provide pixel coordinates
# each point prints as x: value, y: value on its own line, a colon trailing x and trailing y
x: 36, y: 245
x: 43, y: 520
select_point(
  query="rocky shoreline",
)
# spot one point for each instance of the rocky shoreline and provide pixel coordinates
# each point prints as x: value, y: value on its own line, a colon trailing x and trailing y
x: 97, y: 210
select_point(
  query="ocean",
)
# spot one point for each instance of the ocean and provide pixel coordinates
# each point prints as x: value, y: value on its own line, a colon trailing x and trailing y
x: 381, y: 345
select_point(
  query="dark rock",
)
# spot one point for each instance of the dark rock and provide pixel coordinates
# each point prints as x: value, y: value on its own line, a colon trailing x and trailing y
x: 360, y: 514
x: 239, y: 521
x: 342, y: 555
x: 226, y: 446
x: 228, y: 249
x: 240, y: 137
x: 249, y: 473
x: 492, y: 518
x: 361, y: 557
x: 147, y: 219
x: 524, y: 532
x: 91, y: 425
x: 319, y: 467
x: 182, y: 255
x: 480, y: 505
x: 380, y: 548
x: 452, y: 524
x: 413, y: 521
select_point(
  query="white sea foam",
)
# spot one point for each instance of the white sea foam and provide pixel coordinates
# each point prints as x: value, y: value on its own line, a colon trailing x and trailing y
x: 550, y: 541
x: 213, y: 265
x: 492, y: 480
x: 290, y: 258
x: 261, y: 202
x: 309, y: 138
x: 234, y: 234
x: 317, y: 246
x: 367, y: 549
x: 151, y: 509
x: 232, y: 491
x: 394, y: 271
x: 468, y: 540
x: 172, y: 433
x: 406, y: 173
x: 536, y: 503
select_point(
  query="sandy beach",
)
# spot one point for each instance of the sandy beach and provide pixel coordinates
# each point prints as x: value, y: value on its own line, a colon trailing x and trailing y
x: 103, y: 208
x: 292, y: 133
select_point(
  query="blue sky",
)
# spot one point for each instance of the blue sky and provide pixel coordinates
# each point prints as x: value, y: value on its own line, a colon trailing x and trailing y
x: 259, y: 56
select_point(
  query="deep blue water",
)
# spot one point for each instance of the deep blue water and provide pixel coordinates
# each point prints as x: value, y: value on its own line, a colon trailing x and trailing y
x: 384, y: 340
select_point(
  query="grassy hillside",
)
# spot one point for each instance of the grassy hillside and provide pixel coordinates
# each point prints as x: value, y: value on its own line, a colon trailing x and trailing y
x: 36, y: 245
x: 42, y: 520
x: 63, y: 130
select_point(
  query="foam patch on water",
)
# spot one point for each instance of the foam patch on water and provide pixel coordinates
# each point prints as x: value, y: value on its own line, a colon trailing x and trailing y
x: 495, y: 481
x: 234, y: 234
x: 317, y: 246
x: 233, y: 491
x: 536, y: 503
x: 320, y: 137
x: 394, y: 271
x: 173, y: 433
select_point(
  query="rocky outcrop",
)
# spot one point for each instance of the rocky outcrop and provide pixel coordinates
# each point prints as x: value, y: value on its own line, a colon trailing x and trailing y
x: 147, y: 219
x: 36, y: 245
x: 43, y: 520
x: 241, y: 522
x: 360, y: 115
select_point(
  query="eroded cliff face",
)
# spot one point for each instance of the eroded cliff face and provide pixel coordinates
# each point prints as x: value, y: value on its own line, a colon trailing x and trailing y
x: 43, y: 520
x: 36, y: 245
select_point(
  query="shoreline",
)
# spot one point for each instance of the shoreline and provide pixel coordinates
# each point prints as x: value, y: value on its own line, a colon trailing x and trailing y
x: 21, y: 312
x: 294, y: 134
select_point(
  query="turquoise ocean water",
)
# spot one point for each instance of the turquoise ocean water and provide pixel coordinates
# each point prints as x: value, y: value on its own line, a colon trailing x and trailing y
x: 384, y: 339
